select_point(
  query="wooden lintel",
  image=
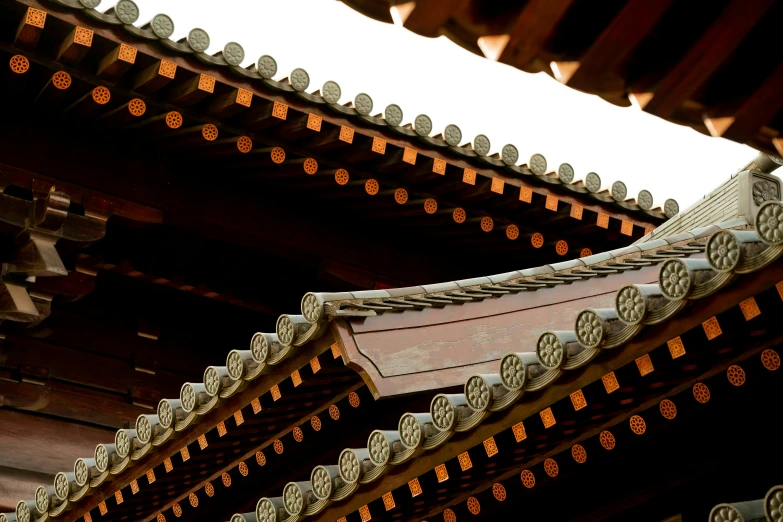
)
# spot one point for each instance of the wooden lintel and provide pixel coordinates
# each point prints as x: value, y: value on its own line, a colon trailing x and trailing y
x: 75, y: 45
x: 155, y: 77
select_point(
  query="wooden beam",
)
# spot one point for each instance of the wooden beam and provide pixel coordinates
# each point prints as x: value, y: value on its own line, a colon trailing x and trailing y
x: 531, y: 29
x: 597, y: 67
x: 428, y: 16
x: 17, y: 484
x: 760, y: 107
x: 705, y: 57
x: 45, y: 445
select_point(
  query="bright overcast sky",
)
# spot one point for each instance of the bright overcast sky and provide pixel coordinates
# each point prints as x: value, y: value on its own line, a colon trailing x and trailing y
x: 437, y: 77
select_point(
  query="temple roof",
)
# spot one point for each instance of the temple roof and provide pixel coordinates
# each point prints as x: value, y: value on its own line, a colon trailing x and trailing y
x: 731, y: 252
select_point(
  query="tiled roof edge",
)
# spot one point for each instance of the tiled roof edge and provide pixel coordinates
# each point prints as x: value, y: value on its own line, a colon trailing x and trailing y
x: 161, y: 27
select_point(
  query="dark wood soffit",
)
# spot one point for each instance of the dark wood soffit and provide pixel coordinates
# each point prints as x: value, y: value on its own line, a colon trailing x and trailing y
x: 400, y: 353
x: 262, y: 384
x: 649, y: 339
x: 118, y: 36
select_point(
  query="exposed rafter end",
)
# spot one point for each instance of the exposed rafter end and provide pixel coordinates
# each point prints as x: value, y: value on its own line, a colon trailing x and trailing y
x: 493, y: 46
x: 563, y: 71
x: 401, y: 12
x: 718, y: 126
x: 640, y: 99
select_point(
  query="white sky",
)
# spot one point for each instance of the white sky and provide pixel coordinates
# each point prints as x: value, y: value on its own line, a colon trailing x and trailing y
x: 437, y: 77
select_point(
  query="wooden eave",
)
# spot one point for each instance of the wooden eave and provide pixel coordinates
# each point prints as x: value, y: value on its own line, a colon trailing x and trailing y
x: 706, y: 66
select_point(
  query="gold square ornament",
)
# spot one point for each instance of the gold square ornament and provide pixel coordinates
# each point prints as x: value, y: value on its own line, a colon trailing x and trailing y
x: 519, y: 431
x: 102, y: 508
x: 525, y: 194
x: 364, y: 513
x: 551, y: 202
x: 244, y: 97
x: 644, y: 364
x: 134, y: 485
x: 335, y: 351
x: 315, y: 364
x: 676, y: 347
x: 185, y: 454
x: 603, y: 220
x: 150, y: 476
x: 711, y: 328
x: 168, y: 465
x: 256, y: 404
x: 469, y: 176
x: 346, y: 134
x: 127, y: 53
x: 202, y: 441
x: 415, y: 487
x: 35, y: 17
x: 314, y: 122
x: 83, y: 36
x: 379, y: 145
x: 439, y: 166
x: 239, y: 419
x: 576, y: 211
x: 275, y: 391
x: 626, y: 228
x: 750, y: 308
x: 206, y: 83
x: 280, y: 110
x: 296, y: 378
x: 497, y: 185
x: 388, y: 501
x: 547, y: 417
x: 491, y: 447
x: 409, y: 156
x: 610, y: 382
x: 464, y: 461
x: 441, y: 473
x: 578, y: 400
x: 221, y: 428
x: 167, y: 69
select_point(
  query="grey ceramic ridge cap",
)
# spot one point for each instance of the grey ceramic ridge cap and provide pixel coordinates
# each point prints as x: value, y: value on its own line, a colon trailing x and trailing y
x: 218, y: 61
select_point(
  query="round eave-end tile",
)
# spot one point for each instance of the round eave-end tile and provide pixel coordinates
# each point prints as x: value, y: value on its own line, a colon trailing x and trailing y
x: 393, y: 115
x: 566, y: 173
x: 127, y: 11
x: 233, y: 53
x: 162, y: 25
x: 422, y: 125
x: 198, y: 40
x: 266, y: 66
x: 363, y: 104
x: 331, y: 92
x: 644, y: 199
x: 509, y: 154
x: 538, y: 164
x: 481, y: 145
x: 452, y: 134
x: 619, y: 191
x: 299, y: 79
x: 671, y: 208
x: 593, y: 182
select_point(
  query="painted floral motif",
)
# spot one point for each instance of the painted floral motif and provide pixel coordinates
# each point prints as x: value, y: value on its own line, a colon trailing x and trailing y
x: 630, y: 304
x: 481, y: 145
x: 212, y: 381
x: 101, y: 458
x: 442, y: 412
x: 363, y: 104
x: 723, y: 251
x: 349, y: 466
x: 235, y: 365
x: 619, y: 191
x: 143, y: 429
x: 593, y: 182
x: 645, y: 199
x: 233, y: 53
x: 566, y: 173
x: 452, y: 134
x: 127, y: 11
x: 379, y: 448
x: 549, y: 350
x: 162, y: 26
x: 331, y: 91
x: 423, y: 125
x: 410, y: 431
x: 321, y: 482
x: 769, y: 223
x: 477, y: 393
x: 674, y: 279
x: 198, y: 40
x: 299, y: 79
x: 538, y: 164
x: 285, y: 330
x: 764, y: 191
x: 293, y: 499
x: 512, y: 372
x: 61, y: 486
x: 188, y: 397
x: 259, y: 347
x: 266, y: 66
x: 589, y: 329
x: 509, y: 154
x: 42, y: 499
x: 671, y: 208
x: 265, y: 511
x: 311, y: 308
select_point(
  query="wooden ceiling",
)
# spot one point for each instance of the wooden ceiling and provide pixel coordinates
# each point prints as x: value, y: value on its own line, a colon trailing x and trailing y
x: 709, y: 65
